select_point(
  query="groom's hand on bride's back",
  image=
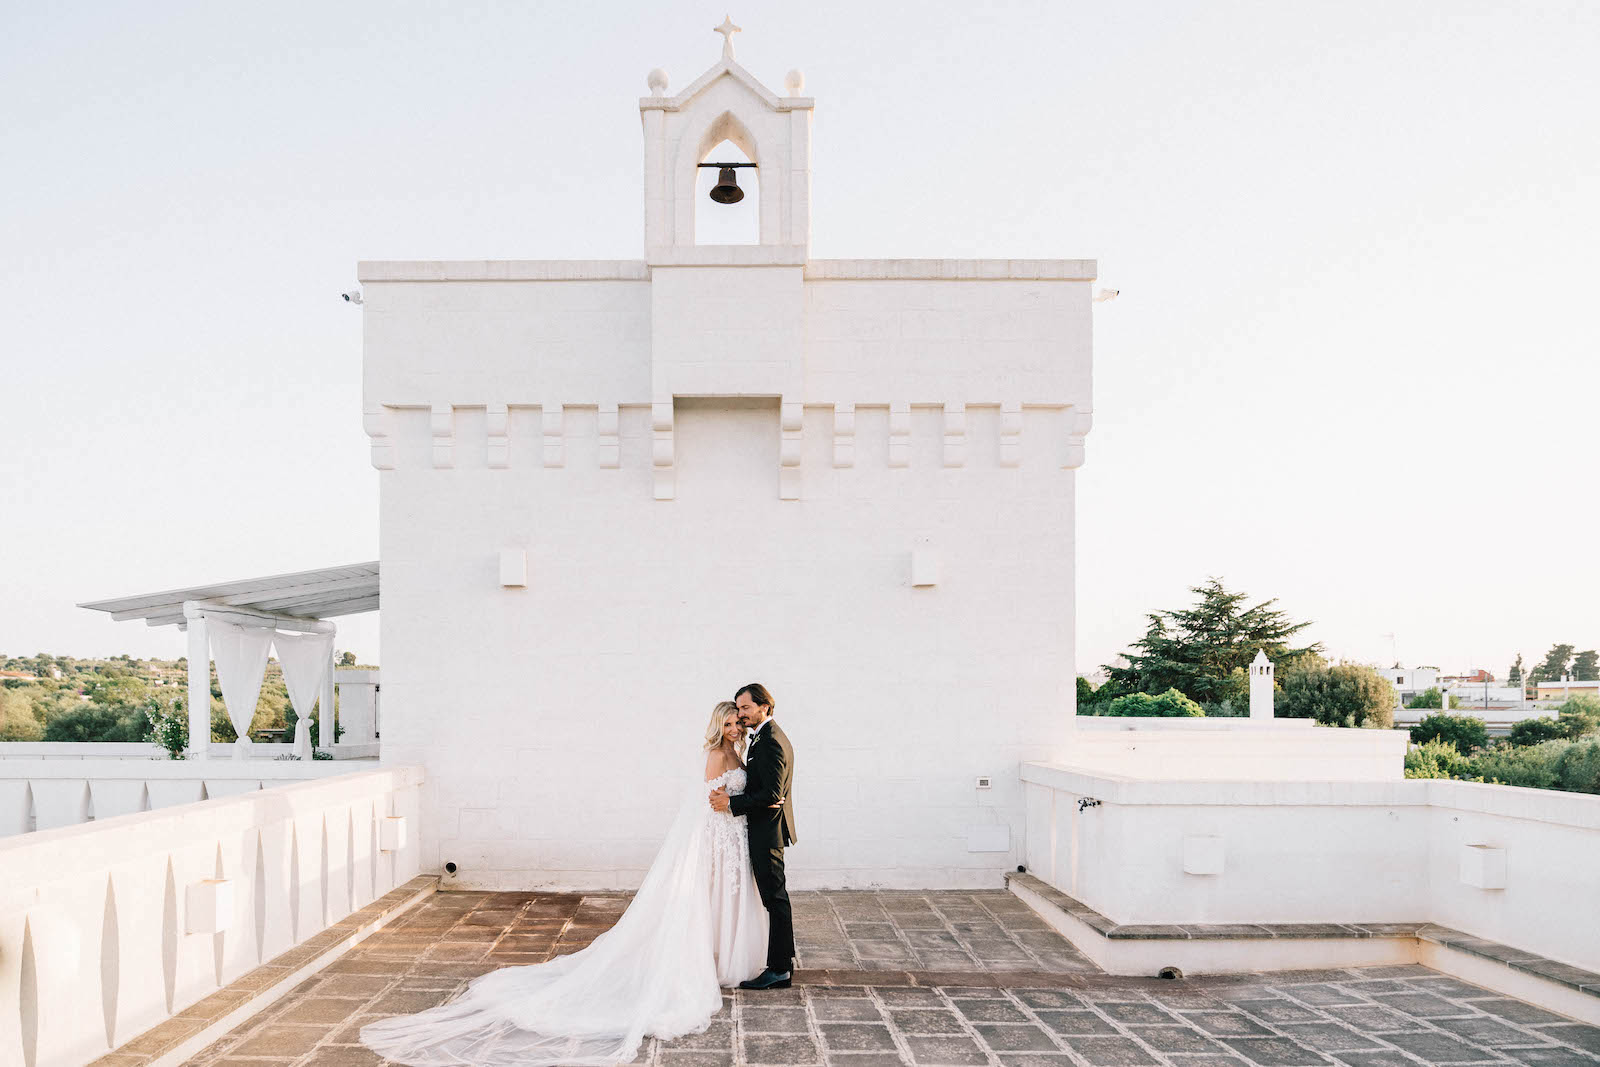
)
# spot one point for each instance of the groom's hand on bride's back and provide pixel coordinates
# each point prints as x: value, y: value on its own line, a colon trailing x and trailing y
x: 719, y: 798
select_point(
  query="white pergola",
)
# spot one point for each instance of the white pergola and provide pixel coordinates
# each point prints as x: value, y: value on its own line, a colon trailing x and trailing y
x: 301, y: 602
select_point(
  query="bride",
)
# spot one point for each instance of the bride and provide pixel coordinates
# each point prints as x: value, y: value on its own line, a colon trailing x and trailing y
x: 696, y: 924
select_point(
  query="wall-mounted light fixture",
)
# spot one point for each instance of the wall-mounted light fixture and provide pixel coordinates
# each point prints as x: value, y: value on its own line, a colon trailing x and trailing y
x: 514, y: 568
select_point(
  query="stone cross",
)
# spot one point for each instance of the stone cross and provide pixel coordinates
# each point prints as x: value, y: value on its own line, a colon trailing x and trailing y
x: 727, y: 29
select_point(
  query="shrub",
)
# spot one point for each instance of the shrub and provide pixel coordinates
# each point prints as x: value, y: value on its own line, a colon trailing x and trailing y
x: 1431, y: 698
x: 17, y: 719
x: 1580, y: 767
x: 222, y: 726
x: 1533, y: 731
x: 1532, y: 766
x: 1171, y: 704
x: 1579, y: 716
x: 169, y: 727
x: 97, y: 722
x: 1346, y: 694
x: 1464, y: 731
x: 1436, y: 759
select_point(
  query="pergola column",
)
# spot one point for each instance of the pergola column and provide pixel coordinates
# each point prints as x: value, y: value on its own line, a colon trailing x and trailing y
x: 327, y: 724
x: 199, y: 687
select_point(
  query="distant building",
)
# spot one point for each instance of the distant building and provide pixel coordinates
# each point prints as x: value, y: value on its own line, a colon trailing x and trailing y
x: 1411, y: 681
x: 1479, y: 676
x: 1565, y: 689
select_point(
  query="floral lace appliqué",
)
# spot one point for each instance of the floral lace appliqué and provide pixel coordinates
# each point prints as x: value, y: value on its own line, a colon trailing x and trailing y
x: 730, y: 848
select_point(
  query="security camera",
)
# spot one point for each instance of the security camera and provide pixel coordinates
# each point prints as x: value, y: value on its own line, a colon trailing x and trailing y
x: 353, y: 296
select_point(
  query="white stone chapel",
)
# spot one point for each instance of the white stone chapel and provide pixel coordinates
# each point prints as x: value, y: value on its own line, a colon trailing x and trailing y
x: 614, y: 491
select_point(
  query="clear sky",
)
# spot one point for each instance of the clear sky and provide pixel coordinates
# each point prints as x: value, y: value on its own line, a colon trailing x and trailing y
x: 1353, y: 364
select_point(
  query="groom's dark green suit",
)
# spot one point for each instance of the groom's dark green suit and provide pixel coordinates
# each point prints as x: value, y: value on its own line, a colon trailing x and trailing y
x: 769, y: 774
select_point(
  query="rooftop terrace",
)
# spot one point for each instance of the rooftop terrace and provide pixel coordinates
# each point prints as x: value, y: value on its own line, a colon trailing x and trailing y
x: 913, y: 978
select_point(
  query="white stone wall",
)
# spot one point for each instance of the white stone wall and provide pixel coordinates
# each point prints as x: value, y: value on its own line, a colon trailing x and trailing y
x: 1324, y: 852
x: 717, y: 462
x: 557, y: 722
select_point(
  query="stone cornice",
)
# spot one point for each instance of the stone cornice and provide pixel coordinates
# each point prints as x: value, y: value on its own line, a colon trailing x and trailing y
x: 556, y: 270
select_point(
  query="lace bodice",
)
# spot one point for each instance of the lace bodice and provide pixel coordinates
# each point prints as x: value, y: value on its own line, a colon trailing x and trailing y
x: 730, y: 848
x: 735, y: 781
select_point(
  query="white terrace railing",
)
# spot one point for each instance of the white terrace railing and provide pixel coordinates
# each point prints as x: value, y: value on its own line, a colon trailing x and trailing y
x: 48, y: 791
x: 110, y: 927
x: 217, y: 750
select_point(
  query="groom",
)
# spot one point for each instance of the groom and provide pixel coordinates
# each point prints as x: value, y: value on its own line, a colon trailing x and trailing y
x: 769, y: 823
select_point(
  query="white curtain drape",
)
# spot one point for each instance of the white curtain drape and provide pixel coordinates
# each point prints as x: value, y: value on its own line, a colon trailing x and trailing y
x: 240, y: 653
x: 306, y: 660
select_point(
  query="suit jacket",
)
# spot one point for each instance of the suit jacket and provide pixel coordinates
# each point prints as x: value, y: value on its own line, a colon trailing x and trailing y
x: 769, y: 776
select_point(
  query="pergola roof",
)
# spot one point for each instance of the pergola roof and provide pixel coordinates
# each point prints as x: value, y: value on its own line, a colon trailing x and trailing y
x: 319, y: 594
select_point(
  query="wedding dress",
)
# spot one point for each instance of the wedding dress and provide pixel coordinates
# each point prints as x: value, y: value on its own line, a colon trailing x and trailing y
x: 696, y: 924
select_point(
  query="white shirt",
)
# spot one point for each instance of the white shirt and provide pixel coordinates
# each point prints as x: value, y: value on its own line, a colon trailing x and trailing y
x: 756, y: 733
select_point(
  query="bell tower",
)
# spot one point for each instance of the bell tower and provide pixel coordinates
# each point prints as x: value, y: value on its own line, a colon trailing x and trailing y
x: 726, y: 320
x: 726, y: 103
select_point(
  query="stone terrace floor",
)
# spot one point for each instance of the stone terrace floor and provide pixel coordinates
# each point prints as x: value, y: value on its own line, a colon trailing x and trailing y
x: 925, y: 978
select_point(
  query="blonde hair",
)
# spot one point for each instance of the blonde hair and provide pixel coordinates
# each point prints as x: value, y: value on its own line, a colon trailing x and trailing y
x: 719, y: 718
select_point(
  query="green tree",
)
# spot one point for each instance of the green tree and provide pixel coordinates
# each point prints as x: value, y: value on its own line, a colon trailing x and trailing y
x: 1466, y: 732
x: 1556, y: 663
x: 118, y: 688
x: 1534, y: 731
x: 1433, y: 697
x: 1586, y: 666
x: 1196, y: 650
x: 97, y: 722
x: 347, y: 659
x: 17, y: 719
x: 1169, y: 705
x: 1436, y: 759
x: 1579, y: 716
x: 1346, y: 694
x: 1086, y: 697
x: 1514, y: 675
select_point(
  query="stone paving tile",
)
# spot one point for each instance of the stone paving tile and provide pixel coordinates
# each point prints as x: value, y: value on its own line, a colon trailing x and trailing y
x: 856, y: 1037
x: 1109, y: 1051
x: 1515, y: 1010
x: 926, y: 1021
x: 945, y: 1050
x: 1434, y: 1047
x: 1014, y: 1037
x: 1551, y: 1057
x: 1275, y: 1051
x: 780, y: 1048
x: 1075, y: 1022
x: 1182, y: 1039
x: 779, y: 1020
x: 926, y: 980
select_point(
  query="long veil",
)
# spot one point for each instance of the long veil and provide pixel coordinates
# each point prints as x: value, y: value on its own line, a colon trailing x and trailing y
x: 651, y: 973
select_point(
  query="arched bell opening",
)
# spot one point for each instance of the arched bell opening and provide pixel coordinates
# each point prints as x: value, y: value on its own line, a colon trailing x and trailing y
x: 723, y: 223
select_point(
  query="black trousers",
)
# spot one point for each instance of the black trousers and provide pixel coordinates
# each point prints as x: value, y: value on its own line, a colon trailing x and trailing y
x: 766, y: 862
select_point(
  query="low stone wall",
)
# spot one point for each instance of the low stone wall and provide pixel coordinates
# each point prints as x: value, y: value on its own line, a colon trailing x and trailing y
x: 44, y: 794
x: 1500, y: 863
x: 110, y: 927
x: 1294, y: 750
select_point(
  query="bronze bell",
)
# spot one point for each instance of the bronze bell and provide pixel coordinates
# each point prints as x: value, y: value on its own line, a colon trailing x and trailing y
x: 727, y: 190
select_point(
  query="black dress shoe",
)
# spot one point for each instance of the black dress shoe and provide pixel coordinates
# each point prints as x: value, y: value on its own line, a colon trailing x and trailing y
x: 768, y: 979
